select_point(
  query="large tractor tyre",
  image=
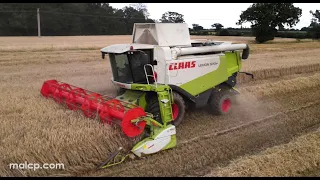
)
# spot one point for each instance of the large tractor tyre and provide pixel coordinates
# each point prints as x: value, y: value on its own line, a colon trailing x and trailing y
x: 221, y: 101
x: 154, y: 109
x: 178, y: 109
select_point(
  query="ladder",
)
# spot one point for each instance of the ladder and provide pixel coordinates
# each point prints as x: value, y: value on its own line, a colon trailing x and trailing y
x: 148, y: 75
x: 165, y: 102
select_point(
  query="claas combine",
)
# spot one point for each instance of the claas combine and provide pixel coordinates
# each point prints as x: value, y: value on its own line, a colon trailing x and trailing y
x: 160, y: 75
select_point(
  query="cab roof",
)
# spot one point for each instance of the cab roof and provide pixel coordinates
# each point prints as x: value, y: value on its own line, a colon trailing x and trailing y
x: 121, y: 48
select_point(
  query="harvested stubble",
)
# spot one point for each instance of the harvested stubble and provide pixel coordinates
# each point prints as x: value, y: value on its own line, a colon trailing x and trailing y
x: 197, y: 157
x: 287, y: 62
x: 283, y: 86
x: 253, y: 103
x: 279, y: 72
x: 300, y: 157
x: 38, y: 130
x: 54, y: 43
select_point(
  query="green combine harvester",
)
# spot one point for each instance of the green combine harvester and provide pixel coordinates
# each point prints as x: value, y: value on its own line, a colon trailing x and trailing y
x: 160, y: 75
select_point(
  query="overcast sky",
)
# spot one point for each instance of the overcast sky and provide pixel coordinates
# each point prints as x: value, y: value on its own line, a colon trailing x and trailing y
x: 206, y: 14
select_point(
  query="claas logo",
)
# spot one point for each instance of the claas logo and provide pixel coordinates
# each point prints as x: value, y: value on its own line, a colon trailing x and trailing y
x: 182, y: 65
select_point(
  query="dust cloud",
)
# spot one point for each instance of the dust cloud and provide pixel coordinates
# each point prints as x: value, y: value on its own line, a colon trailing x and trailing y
x: 248, y: 107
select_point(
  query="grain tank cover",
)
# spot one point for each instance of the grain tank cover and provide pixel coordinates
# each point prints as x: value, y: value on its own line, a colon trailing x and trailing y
x: 161, y: 34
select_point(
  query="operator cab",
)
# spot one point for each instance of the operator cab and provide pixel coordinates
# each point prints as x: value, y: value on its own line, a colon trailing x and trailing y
x: 129, y: 67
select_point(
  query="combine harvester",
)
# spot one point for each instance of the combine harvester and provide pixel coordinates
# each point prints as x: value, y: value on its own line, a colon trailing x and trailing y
x: 160, y: 75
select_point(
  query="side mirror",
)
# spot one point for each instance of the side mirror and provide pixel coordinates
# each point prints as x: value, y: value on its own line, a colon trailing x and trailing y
x: 155, y: 62
x: 245, y: 53
x: 103, y: 55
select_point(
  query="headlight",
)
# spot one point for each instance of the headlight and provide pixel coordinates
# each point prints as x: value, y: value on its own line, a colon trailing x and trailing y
x: 174, y: 54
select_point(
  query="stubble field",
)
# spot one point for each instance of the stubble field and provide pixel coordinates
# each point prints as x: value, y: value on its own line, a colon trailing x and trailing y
x: 275, y: 118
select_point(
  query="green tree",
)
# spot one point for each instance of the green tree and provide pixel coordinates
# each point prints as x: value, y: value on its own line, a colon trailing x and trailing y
x: 172, y: 17
x: 197, y: 27
x: 20, y: 19
x: 132, y: 16
x: 305, y: 29
x: 315, y: 24
x: 266, y: 17
x: 141, y: 7
x: 217, y: 26
x: 316, y: 15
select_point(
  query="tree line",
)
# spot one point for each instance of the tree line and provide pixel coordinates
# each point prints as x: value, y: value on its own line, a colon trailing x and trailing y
x: 268, y: 21
x: 19, y: 19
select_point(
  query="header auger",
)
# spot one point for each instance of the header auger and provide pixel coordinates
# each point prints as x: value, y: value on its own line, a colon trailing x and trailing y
x: 160, y: 75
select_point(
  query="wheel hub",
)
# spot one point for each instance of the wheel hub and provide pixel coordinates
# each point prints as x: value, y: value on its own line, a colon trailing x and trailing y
x: 175, y: 111
x: 226, y: 104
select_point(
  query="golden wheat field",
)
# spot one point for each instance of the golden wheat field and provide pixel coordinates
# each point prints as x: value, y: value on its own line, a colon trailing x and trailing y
x: 272, y: 130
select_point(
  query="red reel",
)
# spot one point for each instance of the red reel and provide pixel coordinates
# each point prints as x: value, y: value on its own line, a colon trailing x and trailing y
x: 58, y: 93
x: 48, y: 87
x: 93, y: 104
x: 86, y: 108
x: 71, y: 101
x: 90, y: 104
x: 72, y: 98
x: 105, y: 116
x: 130, y: 129
x: 115, y: 104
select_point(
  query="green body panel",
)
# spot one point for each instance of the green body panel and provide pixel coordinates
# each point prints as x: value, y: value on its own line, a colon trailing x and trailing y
x: 142, y: 101
x: 137, y: 95
x: 150, y: 122
x: 141, y: 142
x: 134, y: 97
x: 150, y: 87
x: 233, y: 62
x: 229, y: 64
x: 165, y: 108
x: 155, y: 132
x: 172, y: 143
x: 207, y: 81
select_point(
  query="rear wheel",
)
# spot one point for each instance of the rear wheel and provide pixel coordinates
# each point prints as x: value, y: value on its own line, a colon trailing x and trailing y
x: 178, y: 109
x: 221, y: 101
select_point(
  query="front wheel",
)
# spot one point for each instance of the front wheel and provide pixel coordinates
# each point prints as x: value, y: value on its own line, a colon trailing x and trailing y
x: 178, y: 109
